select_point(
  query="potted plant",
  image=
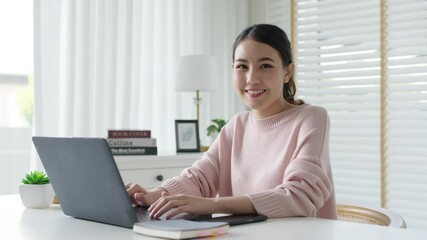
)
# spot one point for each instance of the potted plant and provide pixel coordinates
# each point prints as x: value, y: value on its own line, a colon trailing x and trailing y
x: 215, y: 128
x: 36, y: 190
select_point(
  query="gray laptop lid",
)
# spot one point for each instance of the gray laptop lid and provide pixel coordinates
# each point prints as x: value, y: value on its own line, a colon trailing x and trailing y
x: 86, y: 180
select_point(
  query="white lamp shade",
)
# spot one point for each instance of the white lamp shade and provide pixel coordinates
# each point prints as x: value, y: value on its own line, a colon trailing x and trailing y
x: 197, y: 72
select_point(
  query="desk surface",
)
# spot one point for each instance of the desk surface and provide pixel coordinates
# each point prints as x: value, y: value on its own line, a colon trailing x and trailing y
x: 16, y: 222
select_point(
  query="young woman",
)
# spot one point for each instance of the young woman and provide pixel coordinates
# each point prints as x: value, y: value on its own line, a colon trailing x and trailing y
x: 272, y: 160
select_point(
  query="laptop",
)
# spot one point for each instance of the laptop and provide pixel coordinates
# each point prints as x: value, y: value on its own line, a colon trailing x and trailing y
x: 86, y: 180
x: 88, y: 184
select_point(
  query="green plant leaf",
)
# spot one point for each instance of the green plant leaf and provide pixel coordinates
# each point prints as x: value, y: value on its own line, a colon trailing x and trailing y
x: 211, y: 129
x: 35, y: 177
x: 216, y: 126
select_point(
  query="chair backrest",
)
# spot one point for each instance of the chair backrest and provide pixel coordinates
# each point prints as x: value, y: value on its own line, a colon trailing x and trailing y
x: 370, y: 215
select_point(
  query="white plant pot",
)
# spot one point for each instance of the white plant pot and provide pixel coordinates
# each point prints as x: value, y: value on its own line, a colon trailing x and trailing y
x: 36, y: 196
x: 212, y: 137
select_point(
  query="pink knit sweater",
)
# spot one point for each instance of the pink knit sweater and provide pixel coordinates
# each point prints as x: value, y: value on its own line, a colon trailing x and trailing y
x: 281, y: 163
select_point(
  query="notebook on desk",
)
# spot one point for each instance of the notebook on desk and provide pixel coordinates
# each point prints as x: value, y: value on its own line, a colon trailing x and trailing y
x: 87, y: 182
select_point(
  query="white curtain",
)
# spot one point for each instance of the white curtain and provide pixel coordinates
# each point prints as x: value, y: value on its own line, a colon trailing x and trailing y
x: 110, y: 64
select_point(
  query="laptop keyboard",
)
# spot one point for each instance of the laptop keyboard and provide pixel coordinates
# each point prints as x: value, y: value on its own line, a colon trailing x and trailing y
x: 142, y: 214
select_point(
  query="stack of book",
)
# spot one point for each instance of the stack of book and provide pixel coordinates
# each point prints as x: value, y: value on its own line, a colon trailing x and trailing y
x: 132, y: 142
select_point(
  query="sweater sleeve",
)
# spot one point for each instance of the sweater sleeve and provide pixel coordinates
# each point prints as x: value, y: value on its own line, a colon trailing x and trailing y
x: 201, y: 179
x: 307, y: 183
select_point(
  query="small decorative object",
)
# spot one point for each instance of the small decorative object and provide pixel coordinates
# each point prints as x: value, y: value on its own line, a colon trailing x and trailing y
x: 36, y: 190
x: 187, y: 136
x: 214, y: 129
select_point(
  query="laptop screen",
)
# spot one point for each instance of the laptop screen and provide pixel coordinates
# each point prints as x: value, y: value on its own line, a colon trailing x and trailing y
x: 85, y: 179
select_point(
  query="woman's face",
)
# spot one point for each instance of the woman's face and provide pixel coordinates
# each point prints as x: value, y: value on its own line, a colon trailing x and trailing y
x: 258, y: 77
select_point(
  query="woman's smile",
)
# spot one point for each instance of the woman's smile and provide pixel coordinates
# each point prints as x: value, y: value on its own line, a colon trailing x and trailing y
x: 255, y: 93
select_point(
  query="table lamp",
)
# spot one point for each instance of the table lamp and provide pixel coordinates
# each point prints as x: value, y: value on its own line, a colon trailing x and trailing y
x: 197, y: 73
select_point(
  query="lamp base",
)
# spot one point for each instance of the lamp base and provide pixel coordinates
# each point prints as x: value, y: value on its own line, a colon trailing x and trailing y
x: 204, y: 148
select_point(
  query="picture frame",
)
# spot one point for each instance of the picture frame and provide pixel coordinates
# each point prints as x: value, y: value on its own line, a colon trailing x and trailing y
x: 187, y: 136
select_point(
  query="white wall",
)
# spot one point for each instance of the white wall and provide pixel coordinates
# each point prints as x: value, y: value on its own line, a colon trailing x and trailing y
x: 257, y: 10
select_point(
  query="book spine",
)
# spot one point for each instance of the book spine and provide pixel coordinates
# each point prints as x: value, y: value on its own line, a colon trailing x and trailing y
x: 129, y: 134
x: 134, y: 150
x: 132, y: 142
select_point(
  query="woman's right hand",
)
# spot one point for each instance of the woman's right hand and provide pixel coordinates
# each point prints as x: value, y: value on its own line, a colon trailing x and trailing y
x: 142, y: 197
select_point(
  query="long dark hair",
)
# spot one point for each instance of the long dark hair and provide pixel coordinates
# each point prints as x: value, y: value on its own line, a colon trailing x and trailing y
x: 276, y: 38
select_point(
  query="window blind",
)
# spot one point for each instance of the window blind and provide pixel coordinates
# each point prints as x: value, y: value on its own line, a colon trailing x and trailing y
x: 406, y: 169
x: 338, y: 66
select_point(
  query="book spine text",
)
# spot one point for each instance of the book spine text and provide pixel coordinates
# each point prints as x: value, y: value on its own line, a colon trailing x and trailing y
x: 132, y: 142
x: 134, y: 150
x: 129, y: 134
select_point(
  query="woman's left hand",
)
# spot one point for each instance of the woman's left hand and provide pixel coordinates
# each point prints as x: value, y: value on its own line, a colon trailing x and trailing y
x: 181, y: 203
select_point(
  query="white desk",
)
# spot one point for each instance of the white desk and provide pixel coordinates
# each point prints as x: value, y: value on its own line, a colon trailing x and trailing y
x: 17, y: 223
